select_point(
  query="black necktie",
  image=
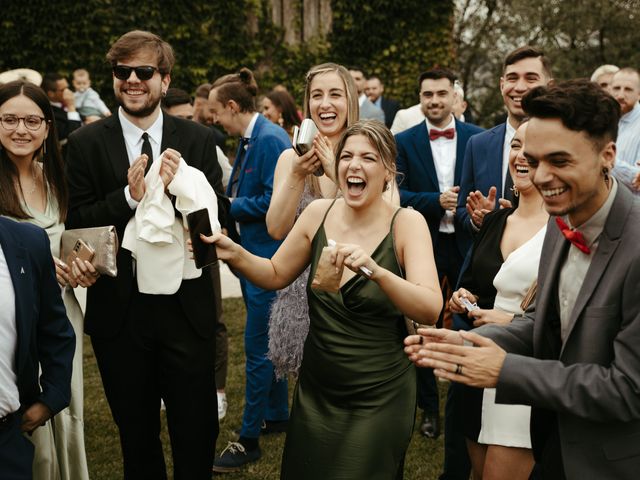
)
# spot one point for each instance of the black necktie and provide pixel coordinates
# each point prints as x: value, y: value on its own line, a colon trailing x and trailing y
x: 146, y: 149
x: 244, y: 141
x: 508, y: 187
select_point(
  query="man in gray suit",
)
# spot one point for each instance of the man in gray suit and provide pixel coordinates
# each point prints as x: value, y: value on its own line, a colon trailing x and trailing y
x: 368, y: 111
x: 574, y: 357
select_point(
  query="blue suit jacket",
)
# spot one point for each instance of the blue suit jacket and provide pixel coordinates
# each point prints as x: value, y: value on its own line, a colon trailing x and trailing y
x: 255, y: 186
x: 45, y: 336
x: 418, y: 181
x: 482, y: 169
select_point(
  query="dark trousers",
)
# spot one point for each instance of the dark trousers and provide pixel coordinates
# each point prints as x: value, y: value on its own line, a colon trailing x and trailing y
x: 222, y: 339
x: 16, y: 451
x: 159, y: 355
x: 457, y: 465
x: 448, y: 263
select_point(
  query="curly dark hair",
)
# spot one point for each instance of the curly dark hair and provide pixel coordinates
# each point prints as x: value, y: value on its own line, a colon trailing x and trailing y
x: 580, y: 105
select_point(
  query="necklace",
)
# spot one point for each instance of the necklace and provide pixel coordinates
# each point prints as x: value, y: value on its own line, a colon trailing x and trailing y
x: 35, y: 182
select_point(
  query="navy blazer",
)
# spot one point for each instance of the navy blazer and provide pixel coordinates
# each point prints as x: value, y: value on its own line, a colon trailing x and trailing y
x: 482, y: 169
x: 418, y: 181
x: 255, y: 186
x: 45, y: 336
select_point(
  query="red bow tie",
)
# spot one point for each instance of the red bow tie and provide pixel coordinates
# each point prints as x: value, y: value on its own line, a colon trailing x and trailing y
x: 574, y: 236
x: 449, y: 133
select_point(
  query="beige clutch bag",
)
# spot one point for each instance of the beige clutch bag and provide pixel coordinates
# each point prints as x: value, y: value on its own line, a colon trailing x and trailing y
x: 103, y: 240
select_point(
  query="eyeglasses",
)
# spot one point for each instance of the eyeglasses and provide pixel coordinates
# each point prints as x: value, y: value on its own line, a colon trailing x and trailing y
x: 123, y: 72
x: 31, y: 122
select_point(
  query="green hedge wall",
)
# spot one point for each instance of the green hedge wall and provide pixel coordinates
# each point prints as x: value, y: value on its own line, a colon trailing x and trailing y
x: 393, y: 39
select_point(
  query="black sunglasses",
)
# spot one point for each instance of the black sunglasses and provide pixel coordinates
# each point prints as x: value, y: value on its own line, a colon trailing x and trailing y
x: 123, y: 72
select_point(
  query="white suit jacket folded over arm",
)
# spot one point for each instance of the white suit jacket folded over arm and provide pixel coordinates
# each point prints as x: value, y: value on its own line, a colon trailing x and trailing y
x: 157, y: 238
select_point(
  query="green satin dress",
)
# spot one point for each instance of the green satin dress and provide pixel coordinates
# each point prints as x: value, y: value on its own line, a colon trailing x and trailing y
x: 354, y: 404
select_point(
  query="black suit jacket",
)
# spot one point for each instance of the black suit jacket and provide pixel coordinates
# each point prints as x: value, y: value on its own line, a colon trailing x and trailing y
x: 45, y: 336
x: 97, y: 165
x: 64, y: 126
x: 390, y: 107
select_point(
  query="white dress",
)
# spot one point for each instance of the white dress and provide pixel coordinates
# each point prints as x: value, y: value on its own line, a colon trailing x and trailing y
x: 508, y: 425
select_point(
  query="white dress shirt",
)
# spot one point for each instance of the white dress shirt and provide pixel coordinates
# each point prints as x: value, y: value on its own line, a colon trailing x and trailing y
x: 9, y: 395
x: 444, y: 158
x: 133, y: 140
x: 577, y: 263
x: 628, y: 141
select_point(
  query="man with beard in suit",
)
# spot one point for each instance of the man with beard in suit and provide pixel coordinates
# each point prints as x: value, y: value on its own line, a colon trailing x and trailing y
x: 148, y: 346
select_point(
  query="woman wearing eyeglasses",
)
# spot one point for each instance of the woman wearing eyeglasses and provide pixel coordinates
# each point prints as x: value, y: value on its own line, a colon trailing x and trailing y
x: 33, y: 189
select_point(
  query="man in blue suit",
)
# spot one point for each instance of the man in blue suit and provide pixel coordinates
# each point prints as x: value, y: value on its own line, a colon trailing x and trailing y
x: 34, y: 333
x: 232, y: 102
x: 485, y: 175
x: 430, y: 164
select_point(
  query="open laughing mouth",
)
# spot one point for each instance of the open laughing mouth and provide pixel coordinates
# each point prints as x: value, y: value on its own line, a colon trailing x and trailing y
x: 134, y: 92
x: 553, y: 192
x: 327, y: 117
x: 522, y: 170
x: 355, y: 185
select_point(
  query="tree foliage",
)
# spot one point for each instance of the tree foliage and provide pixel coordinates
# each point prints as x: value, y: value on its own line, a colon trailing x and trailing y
x: 577, y: 37
x: 214, y: 37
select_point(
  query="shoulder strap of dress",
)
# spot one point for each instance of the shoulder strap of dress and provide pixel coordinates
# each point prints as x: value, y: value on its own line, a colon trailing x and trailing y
x: 393, y: 219
x: 393, y: 240
x: 327, y: 212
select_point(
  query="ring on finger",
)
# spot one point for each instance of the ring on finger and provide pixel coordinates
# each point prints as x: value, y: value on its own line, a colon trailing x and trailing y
x: 459, y: 369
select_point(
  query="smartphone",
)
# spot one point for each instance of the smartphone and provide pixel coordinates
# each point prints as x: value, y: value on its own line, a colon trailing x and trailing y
x: 81, y: 251
x: 203, y: 253
x: 468, y: 305
x: 303, y: 140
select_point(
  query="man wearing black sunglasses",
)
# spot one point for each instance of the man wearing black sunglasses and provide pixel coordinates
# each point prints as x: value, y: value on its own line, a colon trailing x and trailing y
x: 148, y: 346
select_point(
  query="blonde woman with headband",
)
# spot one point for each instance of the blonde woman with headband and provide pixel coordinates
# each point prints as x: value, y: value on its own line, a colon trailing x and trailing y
x: 331, y: 101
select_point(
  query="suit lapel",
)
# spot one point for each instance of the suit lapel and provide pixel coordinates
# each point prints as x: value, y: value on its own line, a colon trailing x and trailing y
x: 251, y: 148
x: 462, y: 136
x: 20, y: 272
x: 170, y: 137
x: 546, y: 299
x: 494, y: 157
x: 422, y: 146
x: 607, y: 245
x: 116, y: 148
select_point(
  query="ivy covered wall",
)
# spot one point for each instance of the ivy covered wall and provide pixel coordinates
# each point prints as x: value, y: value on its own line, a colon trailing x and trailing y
x: 393, y: 39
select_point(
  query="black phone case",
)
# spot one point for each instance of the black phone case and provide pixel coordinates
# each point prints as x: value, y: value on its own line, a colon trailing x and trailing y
x: 203, y: 253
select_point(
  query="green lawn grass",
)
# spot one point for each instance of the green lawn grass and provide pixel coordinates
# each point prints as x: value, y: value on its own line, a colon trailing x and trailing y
x: 423, y: 462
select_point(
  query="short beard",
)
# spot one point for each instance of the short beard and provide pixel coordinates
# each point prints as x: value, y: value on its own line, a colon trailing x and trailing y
x: 141, y: 113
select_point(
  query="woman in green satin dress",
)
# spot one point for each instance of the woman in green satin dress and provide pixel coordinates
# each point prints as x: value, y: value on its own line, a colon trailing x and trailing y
x: 354, y: 404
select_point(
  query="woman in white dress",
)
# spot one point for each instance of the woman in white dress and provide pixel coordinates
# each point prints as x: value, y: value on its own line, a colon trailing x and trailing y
x: 511, y: 240
x: 33, y: 189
